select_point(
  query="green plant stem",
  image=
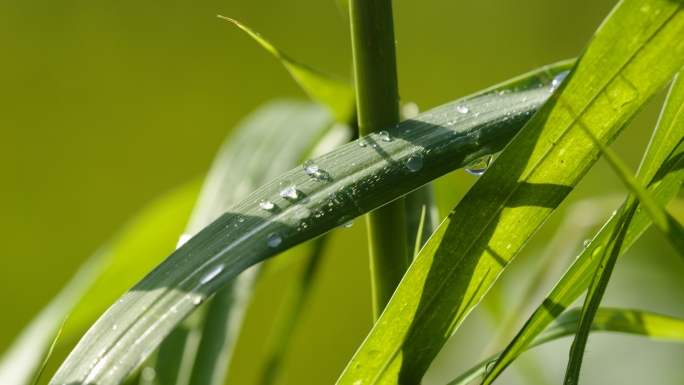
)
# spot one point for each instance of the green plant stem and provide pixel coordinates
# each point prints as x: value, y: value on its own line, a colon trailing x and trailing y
x: 377, y: 100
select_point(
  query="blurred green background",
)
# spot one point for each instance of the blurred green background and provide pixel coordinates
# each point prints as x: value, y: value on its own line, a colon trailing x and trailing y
x: 106, y: 105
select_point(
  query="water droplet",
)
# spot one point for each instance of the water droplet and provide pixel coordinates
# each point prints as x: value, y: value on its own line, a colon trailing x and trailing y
x: 596, y: 252
x: 384, y: 136
x: 212, y: 274
x: 462, y: 109
x: 288, y: 189
x: 345, y: 222
x: 332, y: 196
x: 488, y: 367
x: 613, y: 213
x: 148, y: 374
x: 266, y: 205
x: 240, y: 219
x: 362, y: 142
x: 556, y: 82
x: 310, y: 167
x: 414, y: 163
x: 587, y: 242
x: 183, y: 239
x: 410, y: 110
x: 197, y: 300
x: 114, y: 327
x: 273, y: 240
x: 479, y: 165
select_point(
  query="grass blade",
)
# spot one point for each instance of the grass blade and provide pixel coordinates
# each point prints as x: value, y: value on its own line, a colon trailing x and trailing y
x: 652, y: 325
x: 628, y: 61
x: 333, y: 91
x: 662, y: 167
x: 354, y: 179
x: 49, y: 353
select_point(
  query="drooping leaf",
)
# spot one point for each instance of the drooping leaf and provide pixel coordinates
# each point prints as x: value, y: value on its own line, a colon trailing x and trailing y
x: 652, y: 325
x: 142, y: 243
x: 350, y: 181
x: 333, y: 91
x: 662, y: 169
x: 632, y: 56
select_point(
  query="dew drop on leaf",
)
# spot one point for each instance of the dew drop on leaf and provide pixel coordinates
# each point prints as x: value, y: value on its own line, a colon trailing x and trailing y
x: 266, y: 205
x: 310, y: 167
x: 273, y: 240
x: 462, y: 109
x: 385, y: 136
x: 414, y: 163
x: 479, y: 165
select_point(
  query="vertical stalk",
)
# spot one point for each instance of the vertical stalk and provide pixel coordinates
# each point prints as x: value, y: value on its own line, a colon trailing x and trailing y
x: 377, y: 99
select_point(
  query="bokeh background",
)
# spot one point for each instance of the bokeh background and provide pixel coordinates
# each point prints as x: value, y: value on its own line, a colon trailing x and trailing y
x: 105, y: 105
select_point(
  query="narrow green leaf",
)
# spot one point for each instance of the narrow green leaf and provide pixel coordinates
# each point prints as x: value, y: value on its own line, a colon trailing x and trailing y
x: 652, y: 325
x: 635, y: 52
x: 351, y: 181
x: 333, y: 91
x: 662, y: 166
x: 49, y: 353
x: 141, y: 244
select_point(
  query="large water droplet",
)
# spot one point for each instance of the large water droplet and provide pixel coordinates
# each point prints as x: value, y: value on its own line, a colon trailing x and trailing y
x: 288, y: 189
x: 410, y: 110
x: 384, y: 136
x: 310, y: 167
x: 479, y: 165
x: 488, y: 367
x: 266, y: 205
x: 414, y: 163
x: 462, y: 109
x: 148, y: 374
x: 556, y: 82
x: 212, y: 274
x: 596, y: 252
x: 273, y: 240
x: 345, y: 222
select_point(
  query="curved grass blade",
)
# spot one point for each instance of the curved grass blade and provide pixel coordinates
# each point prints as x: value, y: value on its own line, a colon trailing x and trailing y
x: 49, y: 353
x: 652, y: 325
x: 272, y: 140
x: 628, y: 61
x: 662, y: 168
x: 333, y: 91
x: 351, y: 181
x: 141, y: 244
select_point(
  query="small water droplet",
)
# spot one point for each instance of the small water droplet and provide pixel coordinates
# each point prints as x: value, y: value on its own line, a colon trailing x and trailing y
x: 345, y: 222
x: 114, y: 327
x: 332, y: 196
x: 556, y: 82
x: 479, y: 165
x: 240, y: 219
x: 310, y: 167
x: 587, y: 242
x: 613, y: 213
x: 148, y: 374
x: 384, y: 136
x: 287, y: 189
x: 362, y: 143
x: 414, y: 163
x: 212, y: 274
x: 488, y: 367
x: 197, y: 300
x: 462, y: 109
x: 273, y: 240
x: 266, y: 205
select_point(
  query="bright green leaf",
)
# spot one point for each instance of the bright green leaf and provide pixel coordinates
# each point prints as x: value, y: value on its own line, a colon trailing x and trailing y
x: 635, y: 52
